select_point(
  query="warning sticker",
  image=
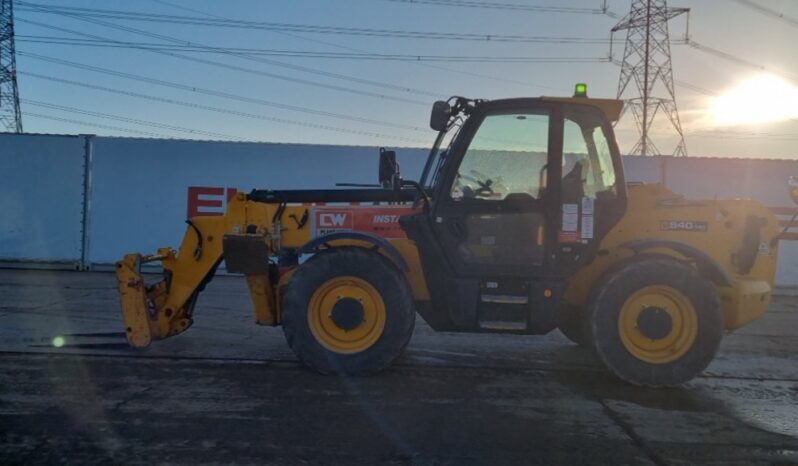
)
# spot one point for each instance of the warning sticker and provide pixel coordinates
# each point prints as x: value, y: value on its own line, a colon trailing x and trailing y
x: 587, y: 226
x: 378, y: 220
x: 587, y: 217
x: 569, y: 237
x: 587, y: 206
x: 570, y: 217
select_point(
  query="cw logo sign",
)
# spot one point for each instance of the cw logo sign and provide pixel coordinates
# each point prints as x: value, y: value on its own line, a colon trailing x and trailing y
x: 335, y: 220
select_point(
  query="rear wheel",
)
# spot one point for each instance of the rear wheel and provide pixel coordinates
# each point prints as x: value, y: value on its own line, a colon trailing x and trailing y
x: 656, y: 322
x: 348, y: 310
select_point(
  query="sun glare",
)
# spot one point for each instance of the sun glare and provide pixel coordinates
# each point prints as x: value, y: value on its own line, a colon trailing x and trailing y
x: 762, y: 99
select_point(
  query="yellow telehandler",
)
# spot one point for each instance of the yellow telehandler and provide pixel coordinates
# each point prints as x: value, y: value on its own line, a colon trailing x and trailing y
x: 521, y: 223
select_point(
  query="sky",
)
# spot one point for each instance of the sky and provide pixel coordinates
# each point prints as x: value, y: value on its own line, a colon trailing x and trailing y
x: 322, y: 100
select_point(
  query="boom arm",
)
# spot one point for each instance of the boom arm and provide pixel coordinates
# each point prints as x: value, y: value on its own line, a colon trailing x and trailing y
x: 164, y: 309
x: 246, y: 237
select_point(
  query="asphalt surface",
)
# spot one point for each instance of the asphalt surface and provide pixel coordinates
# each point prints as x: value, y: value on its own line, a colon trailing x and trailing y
x: 230, y: 392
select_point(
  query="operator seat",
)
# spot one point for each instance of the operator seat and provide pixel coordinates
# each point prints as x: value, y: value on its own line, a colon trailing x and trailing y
x: 573, y: 184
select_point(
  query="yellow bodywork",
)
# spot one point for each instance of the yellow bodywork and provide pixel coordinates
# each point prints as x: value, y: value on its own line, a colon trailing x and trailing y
x: 151, y: 313
x: 158, y: 311
x: 649, y: 206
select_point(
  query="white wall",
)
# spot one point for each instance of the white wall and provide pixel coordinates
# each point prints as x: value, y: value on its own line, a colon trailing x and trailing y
x: 140, y: 186
x: 41, y: 198
x: 709, y: 178
x: 642, y: 169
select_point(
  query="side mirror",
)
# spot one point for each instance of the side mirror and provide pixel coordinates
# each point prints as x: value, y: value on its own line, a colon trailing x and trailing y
x: 389, y: 169
x: 793, y: 183
x: 439, y: 118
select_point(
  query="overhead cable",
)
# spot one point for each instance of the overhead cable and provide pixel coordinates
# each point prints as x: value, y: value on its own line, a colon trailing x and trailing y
x: 464, y: 72
x: 221, y: 110
x: 304, y: 28
x: 769, y: 12
x: 306, y: 54
x: 135, y: 121
x: 225, y: 66
x: 97, y: 125
x: 739, y: 60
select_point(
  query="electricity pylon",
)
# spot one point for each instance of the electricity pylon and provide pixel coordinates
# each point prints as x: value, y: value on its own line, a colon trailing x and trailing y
x: 10, y: 115
x: 647, y: 62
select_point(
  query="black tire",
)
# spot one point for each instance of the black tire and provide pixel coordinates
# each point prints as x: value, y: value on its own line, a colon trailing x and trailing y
x: 612, y: 293
x: 381, y: 274
x: 570, y: 323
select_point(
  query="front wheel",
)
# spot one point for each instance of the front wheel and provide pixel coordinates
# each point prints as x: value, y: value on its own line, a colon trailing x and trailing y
x: 656, y: 322
x: 570, y: 322
x: 348, y: 310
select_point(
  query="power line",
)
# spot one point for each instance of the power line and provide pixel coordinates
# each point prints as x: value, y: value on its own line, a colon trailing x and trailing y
x: 513, y: 6
x: 738, y: 60
x: 182, y: 129
x: 305, y: 69
x: 352, y: 49
x: 302, y: 28
x: 694, y: 88
x: 769, y: 12
x: 221, y: 110
x: 684, y: 84
x: 226, y: 95
x: 210, y: 92
x: 745, y: 136
x: 307, y: 54
x: 463, y: 72
x: 504, y: 6
x: 225, y: 66
x: 98, y: 125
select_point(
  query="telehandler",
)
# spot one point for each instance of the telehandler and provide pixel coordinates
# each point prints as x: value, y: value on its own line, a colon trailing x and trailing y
x: 521, y: 223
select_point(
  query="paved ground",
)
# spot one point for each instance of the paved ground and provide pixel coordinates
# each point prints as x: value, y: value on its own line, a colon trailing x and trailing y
x: 229, y: 392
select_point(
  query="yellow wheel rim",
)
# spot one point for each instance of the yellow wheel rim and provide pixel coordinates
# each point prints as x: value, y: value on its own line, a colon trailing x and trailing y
x: 346, y: 314
x: 658, y: 324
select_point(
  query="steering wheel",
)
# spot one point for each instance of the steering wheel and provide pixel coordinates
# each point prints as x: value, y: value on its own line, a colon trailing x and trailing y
x: 484, y: 184
x: 485, y: 188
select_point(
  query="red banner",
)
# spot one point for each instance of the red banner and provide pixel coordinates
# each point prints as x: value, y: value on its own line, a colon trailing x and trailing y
x: 379, y: 220
x: 208, y: 201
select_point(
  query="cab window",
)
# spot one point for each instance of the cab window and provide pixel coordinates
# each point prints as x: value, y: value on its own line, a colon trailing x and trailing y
x: 506, y: 156
x: 587, y: 159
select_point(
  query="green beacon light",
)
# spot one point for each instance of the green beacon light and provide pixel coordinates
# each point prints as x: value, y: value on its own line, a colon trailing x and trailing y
x: 581, y: 90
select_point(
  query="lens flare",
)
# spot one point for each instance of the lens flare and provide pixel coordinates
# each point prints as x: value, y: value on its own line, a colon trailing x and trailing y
x: 762, y: 99
x: 59, y: 341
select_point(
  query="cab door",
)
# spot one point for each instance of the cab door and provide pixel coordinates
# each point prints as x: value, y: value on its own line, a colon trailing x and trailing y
x: 490, y: 213
x: 494, y: 216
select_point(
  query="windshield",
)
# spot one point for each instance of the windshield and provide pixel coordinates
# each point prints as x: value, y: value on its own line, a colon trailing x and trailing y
x: 506, y: 156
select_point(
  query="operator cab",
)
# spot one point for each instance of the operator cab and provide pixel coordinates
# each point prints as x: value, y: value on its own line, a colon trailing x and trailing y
x: 520, y: 198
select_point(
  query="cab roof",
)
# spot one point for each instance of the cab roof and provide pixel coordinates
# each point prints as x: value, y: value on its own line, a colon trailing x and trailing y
x: 611, y: 107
